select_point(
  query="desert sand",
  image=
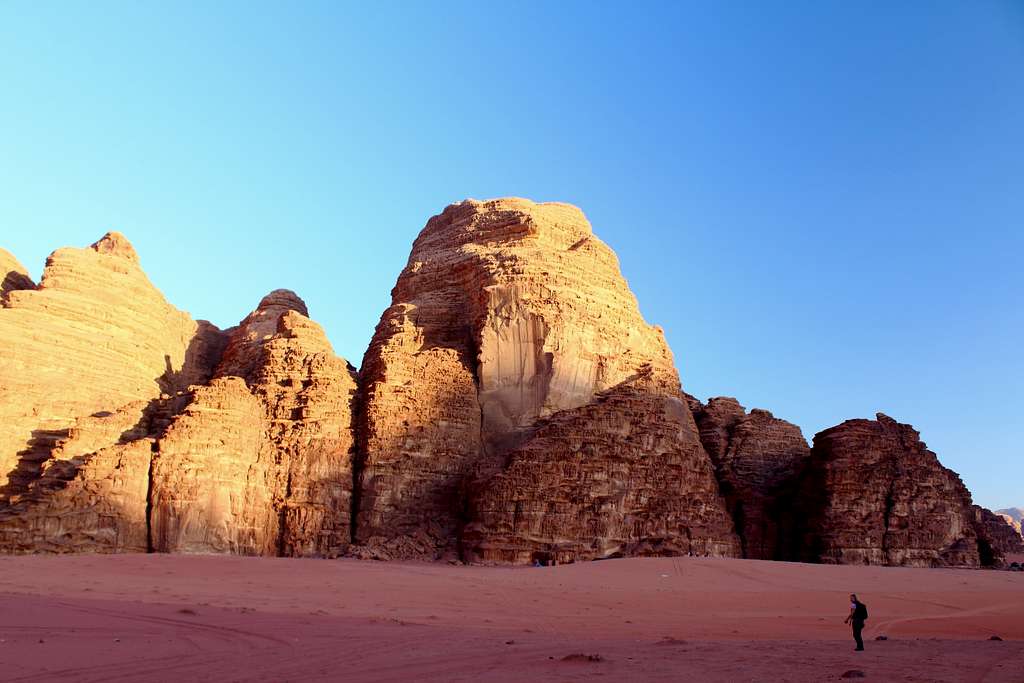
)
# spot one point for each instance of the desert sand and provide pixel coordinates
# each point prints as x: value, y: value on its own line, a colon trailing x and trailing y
x: 181, y: 617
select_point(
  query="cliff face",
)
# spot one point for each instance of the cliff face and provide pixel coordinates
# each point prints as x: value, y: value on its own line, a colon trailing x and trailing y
x: 94, y: 336
x: 510, y: 318
x: 997, y: 537
x: 513, y: 406
x: 142, y: 437
x: 12, y: 275
x: 624, y: 475
x: 757, y: 459
x: 260, y: 460
x: 1013, y: 517
x: 874, y: 494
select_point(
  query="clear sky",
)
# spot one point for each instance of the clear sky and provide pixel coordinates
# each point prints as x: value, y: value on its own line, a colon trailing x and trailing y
x: 821, y: 202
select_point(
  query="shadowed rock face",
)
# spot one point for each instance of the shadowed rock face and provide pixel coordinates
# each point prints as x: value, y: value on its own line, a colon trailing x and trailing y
x: 757, y: 459
x: 511, y: 315
x: 997, y: 536
x: 874, y: 494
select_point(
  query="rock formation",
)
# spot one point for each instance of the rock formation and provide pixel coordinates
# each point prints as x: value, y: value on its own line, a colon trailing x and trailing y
x: 874, y: 494
x: 757, y: 459
x: 130, y: 427
x: 513, y: 406
x: 94, y: 336
x: 507, y: 326
x: 997, y: 537
x: 1013, y: 517
x: 623, y: 475
x: 12, y: 275
x: 260, y: 460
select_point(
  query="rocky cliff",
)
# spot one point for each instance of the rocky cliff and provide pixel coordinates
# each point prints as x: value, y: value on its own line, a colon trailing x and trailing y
x: 997, y: 537
x: 507, y: 326
x: 12, y: 275
x: 1013, y: 517
x: 513, y: 405
x: 757, y: 459
x: 260, y: 460
x: 129, y: 427
x: 94, y: 336
x: 873, y: 493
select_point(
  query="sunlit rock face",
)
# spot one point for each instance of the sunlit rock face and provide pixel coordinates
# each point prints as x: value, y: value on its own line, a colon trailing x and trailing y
x: 510, y: 318
x: 874, y: 494
x: 513, y: 406
x: 94, y: 336
x: 127, y: 426
x: 13, y: 275
x: 758, y: 459
x: 260, y: 460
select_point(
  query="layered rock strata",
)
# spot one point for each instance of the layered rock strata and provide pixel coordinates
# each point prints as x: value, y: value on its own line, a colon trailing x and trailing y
x: 149, y: 431
x: 260, y: 461
x: 758, y: 459
x: 623, y: 475
x: 507, y: 322
x: 513, y: 406
x: 12, y: 275
x: 1013, y: 517
x: 997, y: 537
x: 95, y: 335
x: 874, y: 494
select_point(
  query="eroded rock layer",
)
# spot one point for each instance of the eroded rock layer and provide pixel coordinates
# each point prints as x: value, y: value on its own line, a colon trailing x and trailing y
x: 874, y: 494
x: 624, y: 475
x: 260, y: 461
x: 997, y: 537
x: 1013, y: 517
x: 94, y: 336
x: 757, y: 459
x: 12, y: 275
x: 508, y: 314
x: 513, y: 406
x: 149, y: 431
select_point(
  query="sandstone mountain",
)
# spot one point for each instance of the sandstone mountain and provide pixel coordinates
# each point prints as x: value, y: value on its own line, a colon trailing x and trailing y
x: 513, y: 406
x: 124, y: 430
x: 997, y: 536
x: 758, y: 459
x: 874, y: 494
x: 513, y: 390
x: 1013, y: 516
x: 12, y: 275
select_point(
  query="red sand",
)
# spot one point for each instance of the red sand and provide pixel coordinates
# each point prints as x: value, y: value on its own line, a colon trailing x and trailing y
x: 176, y: 618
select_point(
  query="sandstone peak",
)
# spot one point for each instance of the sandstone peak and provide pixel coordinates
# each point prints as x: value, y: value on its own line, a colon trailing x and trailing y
x: 283, y: 298
x: 12, y: 274
x: 507, y: 220
x: 757, y: 459
x: 874, y: 494
x: 511, y: 334
x: 116, y: 244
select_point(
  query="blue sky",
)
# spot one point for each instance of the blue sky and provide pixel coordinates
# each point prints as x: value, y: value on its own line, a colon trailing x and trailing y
x: 820, y: 202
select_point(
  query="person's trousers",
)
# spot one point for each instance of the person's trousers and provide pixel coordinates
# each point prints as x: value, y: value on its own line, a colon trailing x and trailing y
x: 858, y: 626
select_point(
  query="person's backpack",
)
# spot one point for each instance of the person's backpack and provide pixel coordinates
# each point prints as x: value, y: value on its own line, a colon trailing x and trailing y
x: 861, y: 613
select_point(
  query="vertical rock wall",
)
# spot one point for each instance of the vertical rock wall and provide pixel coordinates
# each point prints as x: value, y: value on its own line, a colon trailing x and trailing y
x: 509, y: 320
x: 757, y: 459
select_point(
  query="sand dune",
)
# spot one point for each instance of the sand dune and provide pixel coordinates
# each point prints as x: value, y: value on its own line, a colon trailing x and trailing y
x: 173, y: 617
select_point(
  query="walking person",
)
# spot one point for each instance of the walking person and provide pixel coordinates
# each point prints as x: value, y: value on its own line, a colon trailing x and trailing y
x: 857, y: 616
